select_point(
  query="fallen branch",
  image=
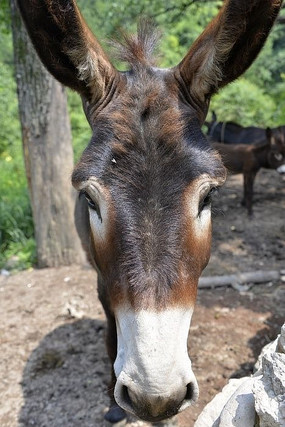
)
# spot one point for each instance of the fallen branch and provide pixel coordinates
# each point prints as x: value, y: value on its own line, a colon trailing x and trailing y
x: 240, y: 278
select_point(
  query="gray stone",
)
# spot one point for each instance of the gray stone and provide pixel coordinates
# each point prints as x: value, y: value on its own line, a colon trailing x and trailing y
x: 239, y: 410
x: 210, y: 416
x: 281, y: 341
x: 262, y: 395
x: 267, y: 349
x: 269, y: 391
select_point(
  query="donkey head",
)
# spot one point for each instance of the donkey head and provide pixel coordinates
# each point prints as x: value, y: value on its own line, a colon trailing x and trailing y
x: 276, y: 153
x: 146, y: 178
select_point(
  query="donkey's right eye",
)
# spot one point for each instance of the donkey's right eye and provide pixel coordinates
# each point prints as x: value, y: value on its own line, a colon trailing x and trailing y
x: 92, y: 204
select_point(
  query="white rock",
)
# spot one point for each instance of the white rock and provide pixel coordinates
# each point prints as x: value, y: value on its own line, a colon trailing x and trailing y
x: 267, y: 349
x: 269, y: 391
x: 281, y: 341
x: 210, y: 416
x: 263, y: 394
x: 239, y: 410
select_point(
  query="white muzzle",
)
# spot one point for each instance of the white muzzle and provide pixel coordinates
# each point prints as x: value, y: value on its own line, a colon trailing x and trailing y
x: 154, y: 375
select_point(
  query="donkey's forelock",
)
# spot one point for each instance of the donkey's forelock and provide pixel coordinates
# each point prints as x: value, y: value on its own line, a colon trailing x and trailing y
x: 138, y: 49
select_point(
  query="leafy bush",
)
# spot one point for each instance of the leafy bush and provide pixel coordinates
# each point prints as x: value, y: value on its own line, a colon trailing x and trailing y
x: 19, y: 255
x: 9, y: 129
x: 16, y: 223
x: 245, y: 103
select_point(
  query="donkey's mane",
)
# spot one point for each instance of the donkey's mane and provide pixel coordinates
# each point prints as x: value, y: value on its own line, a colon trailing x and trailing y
x: 138, y: 49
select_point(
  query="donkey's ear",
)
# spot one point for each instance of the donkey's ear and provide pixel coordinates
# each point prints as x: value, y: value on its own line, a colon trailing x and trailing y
x: 228, y: 45
x: 66, y: 46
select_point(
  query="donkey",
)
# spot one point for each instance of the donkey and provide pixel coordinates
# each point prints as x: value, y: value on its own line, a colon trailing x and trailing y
x: 233, y: 133
x: 145, y: 182
x: 249, y: 159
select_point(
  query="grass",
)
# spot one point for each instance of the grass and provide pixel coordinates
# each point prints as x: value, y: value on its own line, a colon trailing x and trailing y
x: 16, y: 223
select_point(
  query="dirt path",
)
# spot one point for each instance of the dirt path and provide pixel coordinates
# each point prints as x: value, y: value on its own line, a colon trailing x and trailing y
x: 54, y: 369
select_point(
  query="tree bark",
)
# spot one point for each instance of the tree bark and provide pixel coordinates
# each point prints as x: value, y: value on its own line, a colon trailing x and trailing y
x: 48, y: 154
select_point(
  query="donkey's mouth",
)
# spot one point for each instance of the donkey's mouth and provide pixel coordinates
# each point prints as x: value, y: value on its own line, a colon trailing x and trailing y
x: 155, y: 407
x: 146, y: 413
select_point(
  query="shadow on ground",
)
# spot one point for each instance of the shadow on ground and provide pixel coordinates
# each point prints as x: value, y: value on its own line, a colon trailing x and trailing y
x: 68, y: 366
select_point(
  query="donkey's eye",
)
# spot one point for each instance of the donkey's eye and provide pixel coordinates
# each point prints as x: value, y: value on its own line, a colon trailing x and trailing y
x: 92, y: 204
x: 278, y: 156
x: 207, y: 199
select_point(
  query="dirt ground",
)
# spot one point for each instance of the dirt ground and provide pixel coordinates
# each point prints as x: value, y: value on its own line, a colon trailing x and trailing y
x: 54, y: 370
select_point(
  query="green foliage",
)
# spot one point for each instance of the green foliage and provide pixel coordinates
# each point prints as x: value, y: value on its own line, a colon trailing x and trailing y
x: 19, y: 255
x: 16, y: 224
x: 9, y: 129
x: 4, y: 17
x: 245, y: 103
x: 278, y: 94
x: 178, y: 38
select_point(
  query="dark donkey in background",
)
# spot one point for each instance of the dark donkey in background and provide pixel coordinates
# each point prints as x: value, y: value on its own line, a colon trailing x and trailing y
x: 232, y: 133
x: 145, y: 182
x: 249, y: 159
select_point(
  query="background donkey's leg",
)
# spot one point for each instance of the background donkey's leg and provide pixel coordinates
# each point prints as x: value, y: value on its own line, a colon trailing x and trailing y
x: 248, y: 190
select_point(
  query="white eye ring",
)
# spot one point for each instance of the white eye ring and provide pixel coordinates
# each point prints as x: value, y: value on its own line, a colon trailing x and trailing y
x: 278, y: 156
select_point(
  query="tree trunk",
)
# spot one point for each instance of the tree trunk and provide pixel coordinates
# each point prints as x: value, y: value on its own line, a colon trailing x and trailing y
x: 48, y: 152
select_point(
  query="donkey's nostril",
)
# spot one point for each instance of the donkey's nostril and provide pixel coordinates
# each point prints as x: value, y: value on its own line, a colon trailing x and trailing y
x: 126, y: 396
x: 123, y: 398
x: 190, y: 391
x: 192, y: 394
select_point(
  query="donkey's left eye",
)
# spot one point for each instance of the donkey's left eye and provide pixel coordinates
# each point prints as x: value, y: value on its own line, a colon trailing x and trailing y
x: 207, y: 199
